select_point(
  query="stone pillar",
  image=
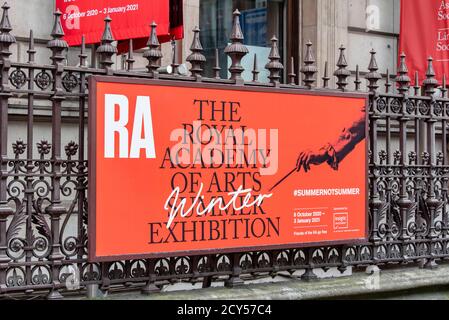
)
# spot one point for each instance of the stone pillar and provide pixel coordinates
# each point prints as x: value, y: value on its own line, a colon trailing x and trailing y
x: 325, y: 23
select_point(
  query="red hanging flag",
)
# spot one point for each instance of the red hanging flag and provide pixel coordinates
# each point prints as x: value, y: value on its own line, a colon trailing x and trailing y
x: 130, y: 19
x: 176, y: 29
x: 425, y: 33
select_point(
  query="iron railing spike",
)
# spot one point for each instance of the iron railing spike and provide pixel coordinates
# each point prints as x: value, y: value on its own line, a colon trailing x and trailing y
x: 6, y: 38
x: 57, y: 45
x: 292, y: 74
x: 387, y: 82
x: 83, y: 56
x: 417, y: 86
x: 373, y: 76
x: 57, y: 31
x: 130, y: 59
x: 357, y: 80
x: 153, y: 40
x: 83, y: 44
x: 31, y: 48
x: 403, y: 80
x: 275, y: 67
x: 153, y: 54
x: 174, y: 60
x: 255, y: 71
x: 444, y: 87
x: 342, y: 73
x: 5, y: 23
x: 236, y: 50
x: 196, y: 58
x: 107, y: 32
x: 309, y: 69
x: 217, y: 68
x: 430, y: 83
x: 106, y: 50
x: 326, y: 77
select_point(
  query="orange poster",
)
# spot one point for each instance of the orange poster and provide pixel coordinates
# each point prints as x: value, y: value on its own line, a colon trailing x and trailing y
x: 180, y: 168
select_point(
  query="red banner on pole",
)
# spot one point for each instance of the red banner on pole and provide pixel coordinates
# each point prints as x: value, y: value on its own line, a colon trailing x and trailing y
x: 130, y: 18
x: 424, y: 34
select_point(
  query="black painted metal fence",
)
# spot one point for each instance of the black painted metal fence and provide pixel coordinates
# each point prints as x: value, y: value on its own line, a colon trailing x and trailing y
x: 408, y: 174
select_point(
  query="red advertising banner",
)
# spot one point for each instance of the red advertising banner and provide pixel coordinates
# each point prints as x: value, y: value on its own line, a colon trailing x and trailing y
x: 130, y: 18
x: 184, y: 168
x: 176, y: 30
x: 424, y: 34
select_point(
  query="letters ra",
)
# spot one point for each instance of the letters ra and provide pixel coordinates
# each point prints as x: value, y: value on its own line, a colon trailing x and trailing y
x: 116, y: 123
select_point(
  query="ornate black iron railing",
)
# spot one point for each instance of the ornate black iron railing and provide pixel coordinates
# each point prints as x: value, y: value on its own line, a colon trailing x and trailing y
x: 43, y: 204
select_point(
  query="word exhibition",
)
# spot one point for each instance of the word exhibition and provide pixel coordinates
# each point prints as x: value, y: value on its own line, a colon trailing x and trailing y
x: 207, y: 170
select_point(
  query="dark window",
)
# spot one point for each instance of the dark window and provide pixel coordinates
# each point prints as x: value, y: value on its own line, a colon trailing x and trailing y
x: 260, y: 20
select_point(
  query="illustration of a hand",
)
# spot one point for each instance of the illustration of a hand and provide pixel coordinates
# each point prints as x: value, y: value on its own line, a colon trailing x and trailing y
x: 309, y: 157
x: 332, y: 153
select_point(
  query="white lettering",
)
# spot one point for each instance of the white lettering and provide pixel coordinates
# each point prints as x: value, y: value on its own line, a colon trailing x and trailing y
x: 143, y: 117
x: 112, y: 126
x: 116, y: 119
x: 178, y: 206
